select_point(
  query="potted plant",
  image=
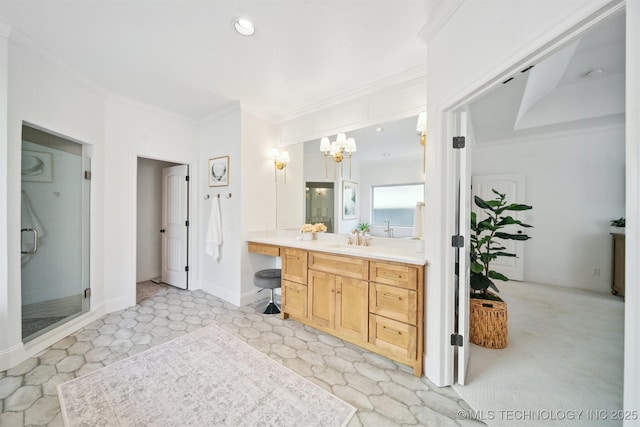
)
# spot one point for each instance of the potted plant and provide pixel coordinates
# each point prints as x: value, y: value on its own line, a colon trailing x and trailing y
x: 488, y: 311
x: 618, y: 225
x: 364, y: 227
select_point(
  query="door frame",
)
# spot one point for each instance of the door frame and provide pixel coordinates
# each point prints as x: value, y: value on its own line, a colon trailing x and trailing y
x: 441, y: 366
x: 192, y: 208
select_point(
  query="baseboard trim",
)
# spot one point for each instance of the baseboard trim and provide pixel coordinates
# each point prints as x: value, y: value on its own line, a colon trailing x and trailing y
x: 18, y: 353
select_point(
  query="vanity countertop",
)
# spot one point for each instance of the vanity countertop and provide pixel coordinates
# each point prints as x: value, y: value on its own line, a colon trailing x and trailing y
x: 405, y: 251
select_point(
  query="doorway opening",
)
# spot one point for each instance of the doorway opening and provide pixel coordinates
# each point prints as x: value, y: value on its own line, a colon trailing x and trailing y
x: 162, y: 227
x: 319, y: 206
x: 566, y: 156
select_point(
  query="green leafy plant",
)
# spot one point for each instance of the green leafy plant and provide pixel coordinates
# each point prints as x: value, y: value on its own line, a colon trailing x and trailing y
x: 363, y: 226
x: 620, y: 222
x: 485, y: 247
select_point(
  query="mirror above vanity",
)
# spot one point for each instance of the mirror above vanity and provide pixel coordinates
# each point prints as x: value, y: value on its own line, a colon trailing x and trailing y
x: 318, y: 188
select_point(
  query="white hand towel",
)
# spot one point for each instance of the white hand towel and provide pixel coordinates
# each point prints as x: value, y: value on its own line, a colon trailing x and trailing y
x: 417, y: 221
x: 213, y: 239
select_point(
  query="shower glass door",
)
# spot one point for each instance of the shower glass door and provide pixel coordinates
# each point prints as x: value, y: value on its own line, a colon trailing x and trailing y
x: 54, y: 231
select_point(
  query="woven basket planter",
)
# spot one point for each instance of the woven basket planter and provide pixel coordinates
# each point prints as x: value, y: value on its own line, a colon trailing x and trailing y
x: 488, y: 323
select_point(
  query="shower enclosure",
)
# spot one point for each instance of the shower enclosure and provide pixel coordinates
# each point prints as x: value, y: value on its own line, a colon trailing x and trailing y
x: 54, y: 231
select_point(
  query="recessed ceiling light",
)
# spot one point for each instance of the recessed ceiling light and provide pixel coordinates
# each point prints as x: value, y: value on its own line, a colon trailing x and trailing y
x: 386, y: 154
x: 244, y: 26
x: 378, y: 129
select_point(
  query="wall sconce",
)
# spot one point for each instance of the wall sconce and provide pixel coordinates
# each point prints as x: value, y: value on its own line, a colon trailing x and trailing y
x: 280, y: 160
x: 421, y: 128
x: 337, y: 150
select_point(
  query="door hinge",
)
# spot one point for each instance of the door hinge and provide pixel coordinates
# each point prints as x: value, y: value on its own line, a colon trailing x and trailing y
x: 457, y: 340
x: 87, y: 293
x: 457, y: 241
x: 187, y: 178
x: 186, y: 223
x: 456, y: 269
x: 186, y: 268
x: 87, y: 175
x: 162, y: 230
x: 458, y: 142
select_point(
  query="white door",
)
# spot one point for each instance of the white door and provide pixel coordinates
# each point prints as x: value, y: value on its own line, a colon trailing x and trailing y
x: 175, y: 225
x: 513, y: 187
x: 463, y: 259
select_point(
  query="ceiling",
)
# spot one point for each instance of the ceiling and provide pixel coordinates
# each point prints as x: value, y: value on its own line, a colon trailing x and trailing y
x: 185, y: 57
x: 579, y: 85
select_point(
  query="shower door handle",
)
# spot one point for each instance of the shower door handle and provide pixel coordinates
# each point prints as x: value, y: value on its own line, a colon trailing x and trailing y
x: 35, y: 241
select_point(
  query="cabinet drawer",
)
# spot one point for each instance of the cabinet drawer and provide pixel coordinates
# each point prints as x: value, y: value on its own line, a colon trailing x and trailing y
x: 260, y: 248
x: 393, y: 338
x: 393, y: 302
x: 344, y: 266
x: 294, y: 299
x: 294, y: 265
x: 404, y: 276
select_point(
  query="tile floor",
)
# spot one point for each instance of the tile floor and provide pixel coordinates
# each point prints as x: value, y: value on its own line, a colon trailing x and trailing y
x: 385, y: 393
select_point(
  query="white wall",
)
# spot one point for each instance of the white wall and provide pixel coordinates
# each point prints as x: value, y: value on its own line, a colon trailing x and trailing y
x: 220, y: 136
x: 136, y: 130
x: 36, y: 86
x: 463, y: 57
x: 258, y: 194
x: 575, y: 183
x: 290, y: 195
x: 149, y: 218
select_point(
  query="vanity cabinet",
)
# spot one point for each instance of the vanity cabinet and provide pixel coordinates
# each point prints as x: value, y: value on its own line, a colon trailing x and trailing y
x: 377, y: 305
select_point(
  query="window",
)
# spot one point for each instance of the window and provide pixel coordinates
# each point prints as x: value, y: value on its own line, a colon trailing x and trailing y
x: 395, y: 203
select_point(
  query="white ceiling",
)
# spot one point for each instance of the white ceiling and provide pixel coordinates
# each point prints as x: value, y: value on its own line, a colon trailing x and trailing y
x: 556, y: 94
x: 185, y: 57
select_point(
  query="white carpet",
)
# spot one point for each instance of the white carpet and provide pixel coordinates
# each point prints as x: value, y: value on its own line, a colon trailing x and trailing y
x: 563, y: 363
x: 206, y: 378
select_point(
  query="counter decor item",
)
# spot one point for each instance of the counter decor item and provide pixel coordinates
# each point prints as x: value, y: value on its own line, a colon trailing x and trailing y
x: 308, y: 231
x: 488, y: 312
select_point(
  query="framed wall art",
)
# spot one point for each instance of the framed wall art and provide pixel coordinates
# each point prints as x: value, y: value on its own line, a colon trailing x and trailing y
x: 219, y: 171
x: 349, y: 200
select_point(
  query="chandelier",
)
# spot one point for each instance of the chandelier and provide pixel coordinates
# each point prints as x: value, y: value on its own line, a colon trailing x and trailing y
x: 337, y: 150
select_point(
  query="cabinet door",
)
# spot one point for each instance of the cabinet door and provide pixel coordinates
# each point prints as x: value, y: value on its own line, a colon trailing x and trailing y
x: 294, y: 265
x: 352, y: 314
x: 321, y: 298
x: 294, y: 299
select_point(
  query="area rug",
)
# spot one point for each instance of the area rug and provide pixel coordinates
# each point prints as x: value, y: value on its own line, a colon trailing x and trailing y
x: 206, y: 378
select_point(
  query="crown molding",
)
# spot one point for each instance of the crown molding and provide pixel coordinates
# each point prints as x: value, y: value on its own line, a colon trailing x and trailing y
x: 441, y: 15
x: 24, y: 41
x: 410, y: 75
x: 117, y: 97
x: 605, y: 124
x: 221, y: 112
